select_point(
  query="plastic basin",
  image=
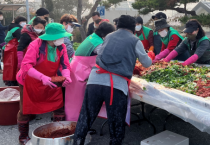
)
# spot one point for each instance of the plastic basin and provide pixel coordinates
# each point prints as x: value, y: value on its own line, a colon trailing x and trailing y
x: 9, y: 110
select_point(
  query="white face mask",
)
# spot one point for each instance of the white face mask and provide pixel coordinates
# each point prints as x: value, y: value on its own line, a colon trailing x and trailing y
x: 69, y: 29
x: 1, y: 17
x: 58, y: 42
x: 138, y: 27
x: 23, y: 24
x: 163, y: 33
x: 38, y: 31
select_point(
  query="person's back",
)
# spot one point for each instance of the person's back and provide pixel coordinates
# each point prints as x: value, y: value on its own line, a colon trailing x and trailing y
x: 115, y: 63
x: 118, y: 57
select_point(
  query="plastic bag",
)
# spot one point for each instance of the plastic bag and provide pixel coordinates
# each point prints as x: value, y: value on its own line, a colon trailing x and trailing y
x: 9, y: 95
x: 190, y: 108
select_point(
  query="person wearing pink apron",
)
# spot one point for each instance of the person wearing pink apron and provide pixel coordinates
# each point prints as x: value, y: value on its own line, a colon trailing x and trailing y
x: 81, y: 65
x: 44, y: 58
x: 109, y: 80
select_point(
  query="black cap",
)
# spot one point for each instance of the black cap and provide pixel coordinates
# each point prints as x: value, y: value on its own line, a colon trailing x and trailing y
x: 127, y: 22
x: 190, y: 27
x: 160, y: 24
x: 159, y: 16
x: 42, y: 12
x: 139, y: 20
x: 116, y: 21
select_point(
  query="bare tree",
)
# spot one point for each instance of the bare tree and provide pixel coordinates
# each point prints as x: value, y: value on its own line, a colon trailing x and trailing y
x: 42, y: 3
x: 85, y: 22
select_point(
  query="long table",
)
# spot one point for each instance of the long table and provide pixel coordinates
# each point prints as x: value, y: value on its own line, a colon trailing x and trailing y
x: 190, y: 108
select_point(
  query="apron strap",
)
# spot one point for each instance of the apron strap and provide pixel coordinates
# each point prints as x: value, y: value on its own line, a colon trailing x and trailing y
x: 144, y: 35
x: 103, y: 71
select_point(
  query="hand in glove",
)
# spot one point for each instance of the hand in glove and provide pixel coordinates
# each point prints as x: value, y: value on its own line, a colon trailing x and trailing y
x: 41, y: 77
x: 66, y: 74
x: 191, y: 60
x: 151, y: 54
x: 162, y: 54
x: 171, y: 56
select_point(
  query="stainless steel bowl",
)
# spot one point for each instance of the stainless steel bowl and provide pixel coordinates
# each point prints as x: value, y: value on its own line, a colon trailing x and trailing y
x: 47, y: 129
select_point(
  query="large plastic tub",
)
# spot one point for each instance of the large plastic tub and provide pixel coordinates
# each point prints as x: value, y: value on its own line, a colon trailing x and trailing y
x: 9, y: 110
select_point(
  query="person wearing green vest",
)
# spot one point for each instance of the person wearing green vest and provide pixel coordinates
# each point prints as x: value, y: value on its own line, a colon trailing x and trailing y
x: 81, y: 65
x: 145, y: 34
x: 69, y: 22
x: 196, y: 42
x: 42, y: 13
x: 157, y: 38
x: 170, y: 40
x: 10, y: 51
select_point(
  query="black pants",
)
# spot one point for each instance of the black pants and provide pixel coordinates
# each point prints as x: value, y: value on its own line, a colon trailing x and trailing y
x: 95, y: 95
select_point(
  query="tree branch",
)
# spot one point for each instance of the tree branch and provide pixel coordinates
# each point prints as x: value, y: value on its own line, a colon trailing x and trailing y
x: 84, y: 11
x: 182, y: 10
x: 92, y: 9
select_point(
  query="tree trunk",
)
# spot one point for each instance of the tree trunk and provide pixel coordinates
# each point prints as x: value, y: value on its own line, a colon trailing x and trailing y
x: 79, y: 17
x: 42, y: 3
x: 185, y: 9
x: 182, y: 10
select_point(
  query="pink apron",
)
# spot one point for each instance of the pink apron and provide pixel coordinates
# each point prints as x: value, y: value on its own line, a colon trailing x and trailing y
x: 80, y: 70
x: 81, y: 67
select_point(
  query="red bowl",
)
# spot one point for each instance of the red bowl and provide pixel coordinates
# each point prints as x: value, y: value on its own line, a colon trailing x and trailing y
x: 9, y: 110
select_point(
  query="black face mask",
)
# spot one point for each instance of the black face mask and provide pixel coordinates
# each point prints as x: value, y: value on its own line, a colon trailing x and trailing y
x: 46, y: 18
x: 191, y: 37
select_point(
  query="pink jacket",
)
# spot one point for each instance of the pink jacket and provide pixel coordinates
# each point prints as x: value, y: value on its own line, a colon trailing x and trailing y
x: 36, y: 54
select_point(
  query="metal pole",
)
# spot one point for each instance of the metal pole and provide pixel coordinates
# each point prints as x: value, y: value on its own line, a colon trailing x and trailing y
x: 13, y: 13
x: 27, y: 10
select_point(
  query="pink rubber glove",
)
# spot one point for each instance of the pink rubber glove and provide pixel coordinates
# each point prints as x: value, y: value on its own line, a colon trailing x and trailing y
x: 162, y: 54
x: 171, y: 56
x: 191, y: 60
x: 20, y: 58
x: 41, y: 77
x: 66, y: 74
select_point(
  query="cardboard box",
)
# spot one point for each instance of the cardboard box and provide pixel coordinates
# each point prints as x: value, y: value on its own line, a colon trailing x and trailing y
x: 166, y: 138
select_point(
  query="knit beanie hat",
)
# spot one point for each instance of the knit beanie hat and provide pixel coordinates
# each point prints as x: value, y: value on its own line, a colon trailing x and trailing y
x: 127, y: 22
x: 139, y: 20
x: 42, y: 12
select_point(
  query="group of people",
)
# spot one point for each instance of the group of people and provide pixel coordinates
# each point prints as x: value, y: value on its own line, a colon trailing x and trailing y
x: 98, y: 74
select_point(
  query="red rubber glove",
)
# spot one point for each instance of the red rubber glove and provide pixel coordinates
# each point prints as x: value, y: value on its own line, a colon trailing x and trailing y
x: 151, y: 54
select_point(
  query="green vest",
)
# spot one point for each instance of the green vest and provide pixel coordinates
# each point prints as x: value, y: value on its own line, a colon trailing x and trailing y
x: 9, y: 35
x: 206, y: 55
x: 171, y: 32
x: 146, y: 31
x: 31, y: 22
x: 88, y: 45
x: 155, y: 33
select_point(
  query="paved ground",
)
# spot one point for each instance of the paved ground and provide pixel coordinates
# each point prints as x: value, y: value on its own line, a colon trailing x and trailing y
x: 134, y: 134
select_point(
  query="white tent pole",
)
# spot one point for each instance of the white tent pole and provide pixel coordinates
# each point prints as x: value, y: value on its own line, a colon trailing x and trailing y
x: 27, y: 10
